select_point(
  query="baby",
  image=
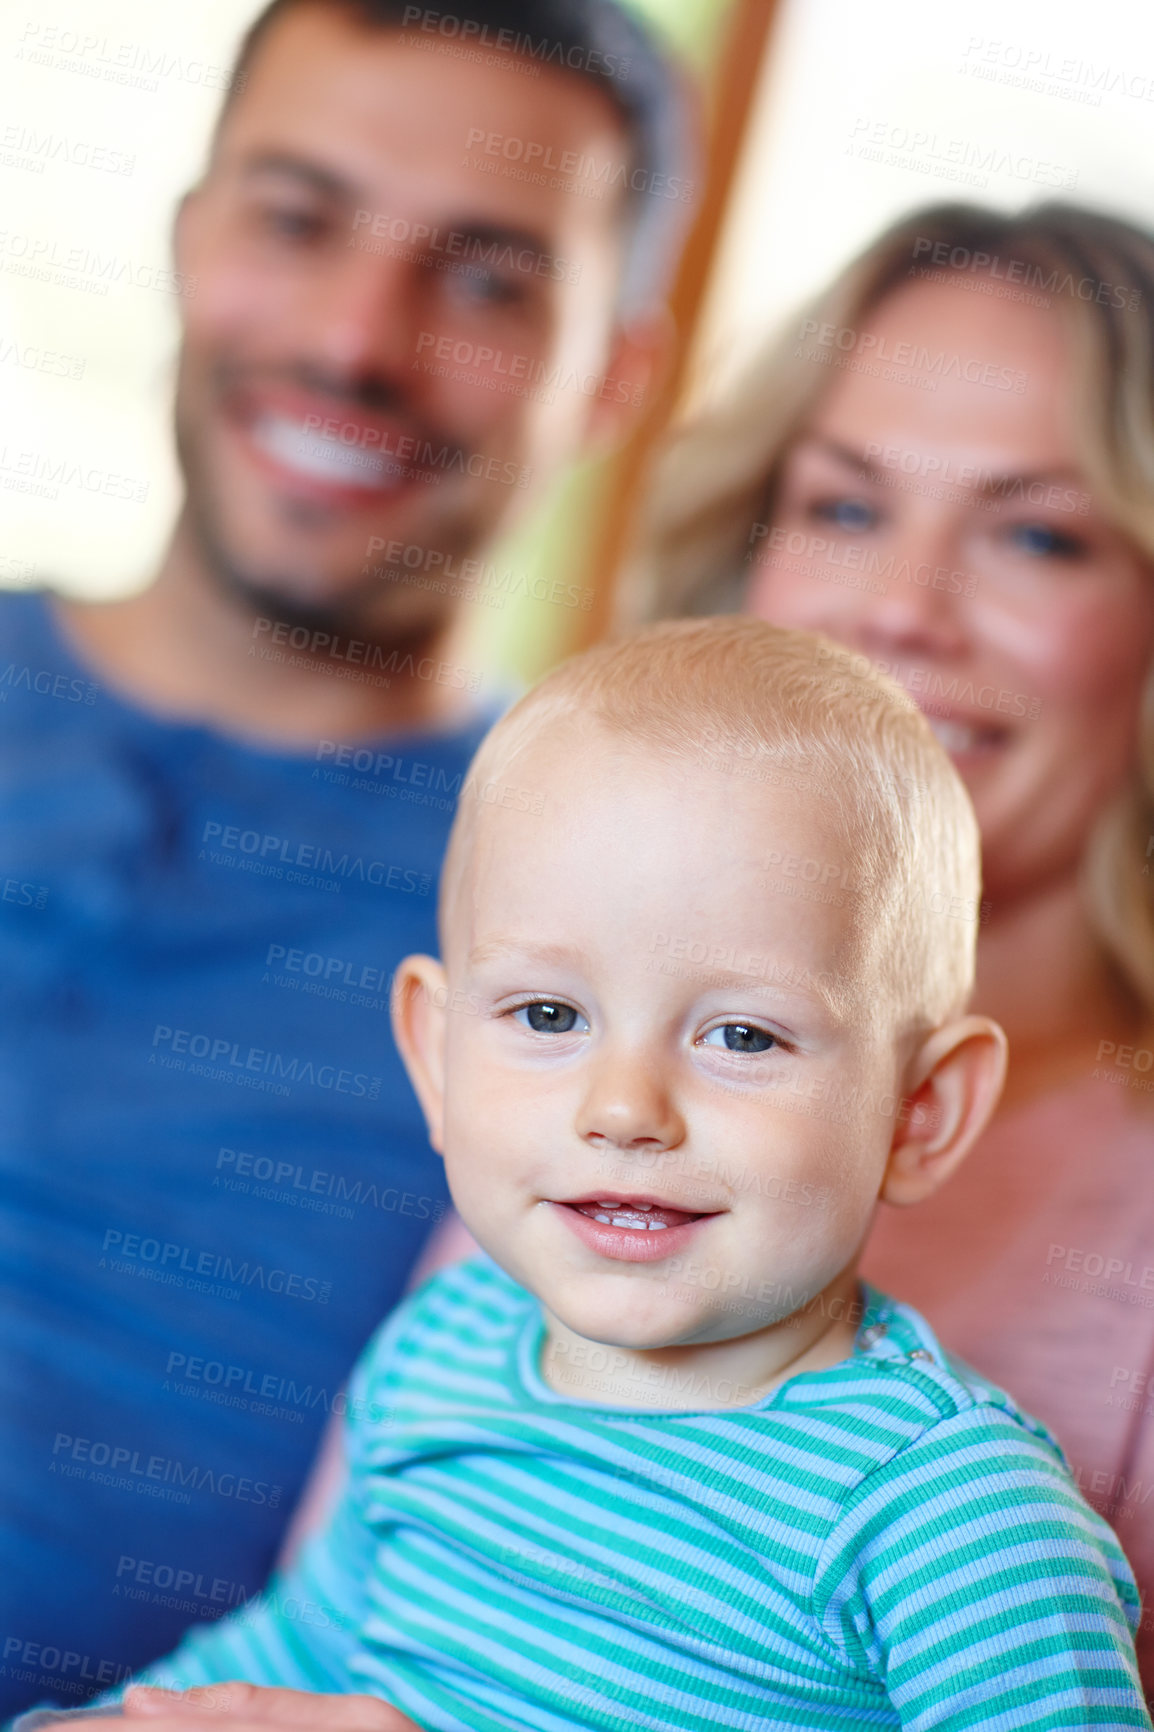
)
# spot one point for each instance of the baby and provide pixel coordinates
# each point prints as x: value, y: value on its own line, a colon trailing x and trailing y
x: 656, y: 1458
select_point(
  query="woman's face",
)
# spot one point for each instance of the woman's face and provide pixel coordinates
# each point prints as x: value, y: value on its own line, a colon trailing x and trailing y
x: 934, y: 517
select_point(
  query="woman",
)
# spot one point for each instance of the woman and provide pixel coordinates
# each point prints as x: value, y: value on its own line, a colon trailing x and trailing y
x: 948, y: 464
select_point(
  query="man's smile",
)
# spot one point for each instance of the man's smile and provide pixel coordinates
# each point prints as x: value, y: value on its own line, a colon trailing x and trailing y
x: 331, y: 450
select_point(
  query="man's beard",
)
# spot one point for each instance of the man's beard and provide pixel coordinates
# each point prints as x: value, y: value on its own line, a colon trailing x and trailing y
x: 355, y: 611
x: 379, y: 606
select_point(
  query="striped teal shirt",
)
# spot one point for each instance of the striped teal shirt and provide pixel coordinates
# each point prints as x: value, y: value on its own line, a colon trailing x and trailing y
x: 888, y: 1542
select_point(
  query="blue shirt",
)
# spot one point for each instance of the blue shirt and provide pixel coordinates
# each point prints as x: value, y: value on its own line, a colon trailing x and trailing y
x: 213, y: 1175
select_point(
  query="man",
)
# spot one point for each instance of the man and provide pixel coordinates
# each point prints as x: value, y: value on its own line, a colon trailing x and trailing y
x: 227, y: 796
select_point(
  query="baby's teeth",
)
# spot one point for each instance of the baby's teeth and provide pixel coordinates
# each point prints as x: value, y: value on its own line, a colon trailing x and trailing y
x: 609, y: 1218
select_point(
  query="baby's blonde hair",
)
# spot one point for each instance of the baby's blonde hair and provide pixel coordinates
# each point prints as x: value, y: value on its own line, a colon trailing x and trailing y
x: 793, y: 710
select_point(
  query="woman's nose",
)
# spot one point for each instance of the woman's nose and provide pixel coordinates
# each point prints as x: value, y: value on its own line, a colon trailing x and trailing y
x: 913, y: 602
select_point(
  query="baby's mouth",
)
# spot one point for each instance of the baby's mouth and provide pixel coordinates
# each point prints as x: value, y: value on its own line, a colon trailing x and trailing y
x: 641, y: 1217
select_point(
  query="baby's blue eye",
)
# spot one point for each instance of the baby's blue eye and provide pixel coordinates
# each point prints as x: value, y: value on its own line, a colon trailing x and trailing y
x: 740, y: 1037
x: 547, y: 1017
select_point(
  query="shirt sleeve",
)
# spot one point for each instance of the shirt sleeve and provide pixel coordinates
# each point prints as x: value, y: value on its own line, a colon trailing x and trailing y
x: 969, y: 1578
x: 302, y: 1630
x: 299, y: 1632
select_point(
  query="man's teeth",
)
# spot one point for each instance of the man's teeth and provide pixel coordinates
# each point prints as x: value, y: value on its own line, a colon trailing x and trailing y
x: 319, y: 459
x: 956, y: 736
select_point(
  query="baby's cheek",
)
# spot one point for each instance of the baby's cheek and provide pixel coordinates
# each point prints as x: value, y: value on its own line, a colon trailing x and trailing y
x: 837, y: 1198
x: 822, y: 1218
x: 485, y: 1119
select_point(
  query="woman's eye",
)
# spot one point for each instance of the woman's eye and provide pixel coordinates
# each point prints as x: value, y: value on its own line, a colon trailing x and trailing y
x: 545, y: 1016
x: 740, y: 1037
x: 1041, y: 542
x: 852, y: 515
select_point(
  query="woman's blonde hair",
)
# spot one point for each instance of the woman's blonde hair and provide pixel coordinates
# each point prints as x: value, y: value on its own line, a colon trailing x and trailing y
x: 718, y: 475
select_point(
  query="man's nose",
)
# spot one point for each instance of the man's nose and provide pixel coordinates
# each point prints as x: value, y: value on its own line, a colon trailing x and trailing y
x: 629, y: 1105
x: 362, y: 316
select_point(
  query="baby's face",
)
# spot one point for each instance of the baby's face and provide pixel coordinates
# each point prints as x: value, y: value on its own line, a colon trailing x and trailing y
x: 669, y: 1088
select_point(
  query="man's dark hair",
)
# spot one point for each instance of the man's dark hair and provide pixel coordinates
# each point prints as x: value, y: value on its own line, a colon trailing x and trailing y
x: 597, y: 40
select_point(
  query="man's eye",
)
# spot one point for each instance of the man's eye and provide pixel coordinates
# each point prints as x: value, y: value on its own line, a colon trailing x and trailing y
x: 474, y: 285
x: 740, y: 1037
x: 545, y: 1016
x: 293, y: 223
x: 852, y: 515
x: 1041, y: 542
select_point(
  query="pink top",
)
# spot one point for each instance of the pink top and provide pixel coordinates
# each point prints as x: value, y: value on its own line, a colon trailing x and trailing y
x: 1035, y: 1263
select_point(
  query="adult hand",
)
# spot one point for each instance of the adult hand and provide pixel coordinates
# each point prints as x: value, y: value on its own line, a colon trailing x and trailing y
x: 257, y: 1708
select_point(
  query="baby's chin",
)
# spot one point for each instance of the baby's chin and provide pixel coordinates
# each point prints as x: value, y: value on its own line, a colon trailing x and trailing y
x: 638, y: 1321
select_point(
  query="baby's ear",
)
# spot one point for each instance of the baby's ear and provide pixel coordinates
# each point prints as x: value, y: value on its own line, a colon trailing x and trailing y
x: 418, y: 1008
x: 952, y: 1086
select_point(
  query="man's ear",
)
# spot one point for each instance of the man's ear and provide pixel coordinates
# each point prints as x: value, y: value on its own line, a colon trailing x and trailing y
x: 640, y: 352
x: 185, y: 228
x: 418, y: 1001
x: 952, y: 1087
x: 180, y: 219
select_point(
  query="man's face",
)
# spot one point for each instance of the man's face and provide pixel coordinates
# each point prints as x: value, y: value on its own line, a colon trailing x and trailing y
x: 376, y: 314
x: 668, y: 1086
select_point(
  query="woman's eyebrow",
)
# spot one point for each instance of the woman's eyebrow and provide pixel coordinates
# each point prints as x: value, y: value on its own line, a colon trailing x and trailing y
x: 1010, y: 481
x: 844, y: 454
x: 988, y: 482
